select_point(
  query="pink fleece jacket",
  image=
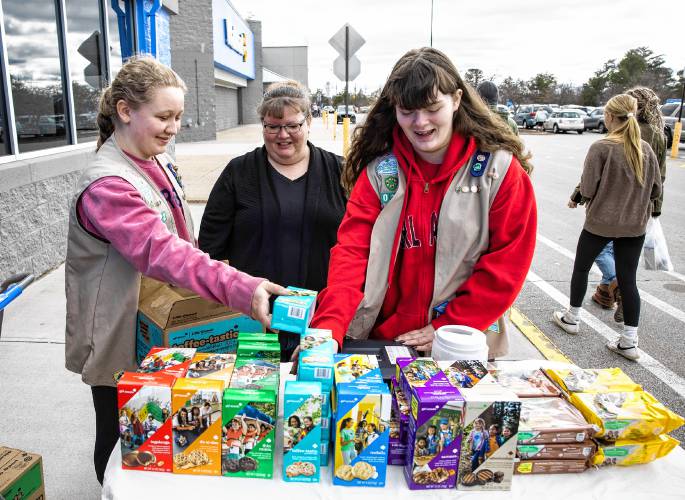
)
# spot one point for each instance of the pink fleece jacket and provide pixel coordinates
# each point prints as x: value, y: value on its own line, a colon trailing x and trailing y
x: 112, y: 210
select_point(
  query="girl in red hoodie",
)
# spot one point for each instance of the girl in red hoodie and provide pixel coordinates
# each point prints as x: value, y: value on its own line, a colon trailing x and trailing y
x: 440, y: 225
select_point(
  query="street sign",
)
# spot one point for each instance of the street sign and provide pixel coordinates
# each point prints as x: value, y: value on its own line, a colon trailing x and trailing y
x: 354, y: 67
x: 338, y: 41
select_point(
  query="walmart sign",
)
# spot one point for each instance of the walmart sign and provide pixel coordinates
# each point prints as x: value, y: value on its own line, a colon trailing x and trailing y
x: 233, y: 41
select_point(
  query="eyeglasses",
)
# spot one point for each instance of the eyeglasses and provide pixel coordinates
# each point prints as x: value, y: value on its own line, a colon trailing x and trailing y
x: 290, y: 128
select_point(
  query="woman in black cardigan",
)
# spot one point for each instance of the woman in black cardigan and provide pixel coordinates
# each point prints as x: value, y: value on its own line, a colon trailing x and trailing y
x: 274, y: 212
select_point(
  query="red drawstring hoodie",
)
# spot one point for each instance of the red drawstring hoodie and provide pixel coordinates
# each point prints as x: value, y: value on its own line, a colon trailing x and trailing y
x: 497, y: 277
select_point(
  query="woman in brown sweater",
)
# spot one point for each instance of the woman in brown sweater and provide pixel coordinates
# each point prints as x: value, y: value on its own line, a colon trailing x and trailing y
x: 620, y: 179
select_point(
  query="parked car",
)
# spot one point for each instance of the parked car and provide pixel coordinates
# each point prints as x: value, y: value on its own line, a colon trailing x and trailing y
x: 563, y: 121
x: 51, y: 125
x: 350, y: 113
x: 595, y: 120
x: 329, y: 109
x: 670, y: 114
x: 525, y: 114
x: 580, y: 111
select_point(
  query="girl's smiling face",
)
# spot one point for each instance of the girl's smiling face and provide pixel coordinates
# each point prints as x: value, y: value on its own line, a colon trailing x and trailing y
x: 429, y: 129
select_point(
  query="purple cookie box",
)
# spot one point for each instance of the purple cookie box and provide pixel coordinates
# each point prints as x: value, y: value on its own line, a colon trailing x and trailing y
x: 426, y: 402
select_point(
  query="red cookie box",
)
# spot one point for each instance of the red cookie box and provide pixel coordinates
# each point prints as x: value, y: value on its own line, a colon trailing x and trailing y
x: 144, y: 419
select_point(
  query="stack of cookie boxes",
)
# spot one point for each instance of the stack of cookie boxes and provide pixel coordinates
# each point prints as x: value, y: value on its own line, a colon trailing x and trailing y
x: 315, y: 364
x: 631, y: 424
x: 171, y: 412
x: 553, y: 436
x: 250, y: 408
x: 434, y: 424
x: 361, y: 412
x: 490, y: 424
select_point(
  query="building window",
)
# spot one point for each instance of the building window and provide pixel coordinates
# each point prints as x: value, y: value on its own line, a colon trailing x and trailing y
x: 35, y: 71
x: 85, y: 50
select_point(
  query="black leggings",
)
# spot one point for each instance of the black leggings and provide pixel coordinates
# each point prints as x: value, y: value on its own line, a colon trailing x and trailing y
x: 627, y: 256
x: 106, y: 426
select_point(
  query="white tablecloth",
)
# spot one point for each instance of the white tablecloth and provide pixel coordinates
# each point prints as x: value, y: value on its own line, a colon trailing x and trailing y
x: 663, y: 479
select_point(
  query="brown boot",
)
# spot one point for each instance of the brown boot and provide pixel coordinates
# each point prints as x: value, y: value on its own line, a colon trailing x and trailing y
x: 603, y: 296
x: 618, y: 314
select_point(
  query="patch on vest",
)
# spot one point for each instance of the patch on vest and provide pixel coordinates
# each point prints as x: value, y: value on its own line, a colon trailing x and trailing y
x: 387, y: 166
x: 387, y: 170
x: 479, y: 163
x: 391, y: 183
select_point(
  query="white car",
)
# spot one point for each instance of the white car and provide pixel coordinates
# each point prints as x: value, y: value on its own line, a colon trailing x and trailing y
x: 563, y: 121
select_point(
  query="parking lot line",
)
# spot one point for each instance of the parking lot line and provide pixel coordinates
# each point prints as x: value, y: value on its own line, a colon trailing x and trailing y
x: 670, y: 378
x: 536, y: 337
x: 646, y: 296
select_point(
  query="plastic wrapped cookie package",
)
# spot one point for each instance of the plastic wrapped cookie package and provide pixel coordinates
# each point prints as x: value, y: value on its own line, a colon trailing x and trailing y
x: 592, y: 380
x: 626, y: 415
x: 524, y: 381
x: 552, y: 420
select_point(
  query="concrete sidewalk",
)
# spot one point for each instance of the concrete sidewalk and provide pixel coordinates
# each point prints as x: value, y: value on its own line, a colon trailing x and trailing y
x: 47, y: 409
x: 201, y: 163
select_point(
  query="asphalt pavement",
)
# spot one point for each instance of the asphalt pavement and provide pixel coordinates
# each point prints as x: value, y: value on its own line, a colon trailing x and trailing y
x: 558, y: 163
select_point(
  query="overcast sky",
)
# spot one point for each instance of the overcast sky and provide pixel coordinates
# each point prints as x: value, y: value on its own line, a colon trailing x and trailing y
x: 569, y: 38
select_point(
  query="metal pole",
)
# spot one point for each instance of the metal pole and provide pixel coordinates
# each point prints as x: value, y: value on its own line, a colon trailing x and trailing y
x: 431, y: 23
x: 347, y: 63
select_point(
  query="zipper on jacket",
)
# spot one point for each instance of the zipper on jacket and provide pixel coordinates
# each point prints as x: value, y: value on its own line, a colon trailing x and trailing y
x: 425, y: 188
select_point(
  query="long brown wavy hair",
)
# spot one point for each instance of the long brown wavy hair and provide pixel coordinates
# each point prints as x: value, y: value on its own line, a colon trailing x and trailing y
x: 414, y: 83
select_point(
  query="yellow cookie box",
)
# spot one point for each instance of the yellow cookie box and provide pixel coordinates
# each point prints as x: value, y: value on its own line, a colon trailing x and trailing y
x: 592, y: 380
x: 626, y: 415
x: 629, y: 452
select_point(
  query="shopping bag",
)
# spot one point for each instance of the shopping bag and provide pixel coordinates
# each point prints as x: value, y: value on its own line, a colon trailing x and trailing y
x: 655, y: 250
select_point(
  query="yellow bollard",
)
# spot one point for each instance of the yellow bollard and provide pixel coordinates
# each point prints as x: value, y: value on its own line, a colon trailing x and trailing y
x: 324, y: 117
x: 335, y: 124
x: 676, y: 139
x: 346, y: 135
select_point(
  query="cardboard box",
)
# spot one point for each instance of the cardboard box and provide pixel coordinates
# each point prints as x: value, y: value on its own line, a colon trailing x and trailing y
x: 170, y: 316
x: 256, y: 374
x: 362, y: 421
x: 21, y: 475
x: 248, y: 433
x: 302, y: 432
x: 197, y: 433
x: 260, y: 336
x: 144, y: 403
x: 213, y: 366
x: 173, y: 361
x: 318, y: 338
x: 257, y: 349
x: 491, y: 421
x: 316, y: 365
x: 293, y: 313
x: 354, y: 369
x: 435, y: 425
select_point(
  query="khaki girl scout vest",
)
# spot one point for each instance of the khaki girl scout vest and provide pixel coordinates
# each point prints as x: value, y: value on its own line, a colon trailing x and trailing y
x: 101, y: 286
x: 462, y: 235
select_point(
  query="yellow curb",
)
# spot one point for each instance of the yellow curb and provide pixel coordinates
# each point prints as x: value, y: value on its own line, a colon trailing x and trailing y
x: 541, y: 342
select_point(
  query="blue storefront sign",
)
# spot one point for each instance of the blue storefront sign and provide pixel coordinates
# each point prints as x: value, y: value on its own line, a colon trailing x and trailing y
x: 233, y: 41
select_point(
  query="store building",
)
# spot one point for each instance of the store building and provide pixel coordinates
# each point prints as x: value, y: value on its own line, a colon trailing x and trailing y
x: 56, y: 58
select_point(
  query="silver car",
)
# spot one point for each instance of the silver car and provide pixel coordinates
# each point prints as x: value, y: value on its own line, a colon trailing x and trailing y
x: 563, y: 121
x: 670, y: 113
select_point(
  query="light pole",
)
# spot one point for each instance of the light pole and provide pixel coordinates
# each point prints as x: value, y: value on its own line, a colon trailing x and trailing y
x: 678, y: 125
x: 431, y: 23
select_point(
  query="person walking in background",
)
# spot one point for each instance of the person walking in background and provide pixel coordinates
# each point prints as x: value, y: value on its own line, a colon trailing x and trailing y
x: 442, y: 216
x: 619, y: 181
x: 275, y: 211
x: 489, y: 92
x: 651, y: 126
x: 128, y: 218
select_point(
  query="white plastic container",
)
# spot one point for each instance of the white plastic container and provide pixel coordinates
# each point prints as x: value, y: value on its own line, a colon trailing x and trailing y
x: 454, y: 342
